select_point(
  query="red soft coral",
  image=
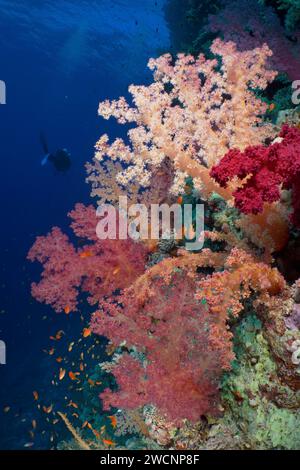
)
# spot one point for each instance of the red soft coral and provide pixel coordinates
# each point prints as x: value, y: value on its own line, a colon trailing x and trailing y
x: 98, y: 268
x: 267, y: 169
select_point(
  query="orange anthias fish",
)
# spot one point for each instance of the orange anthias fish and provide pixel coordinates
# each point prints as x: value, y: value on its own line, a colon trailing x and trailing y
x: 59, y: 359
x: 108, y: 442
x: 58, y: 335
x: 86, y: 332
x: 190, y: 232
x: 116, y: 270
x: 62, y: 373
x: 67, y: 309
x: 35, y: 395
x: 180, y: 200
x: 86, y: 254
x: 272, y: 106
x: 113, y: 421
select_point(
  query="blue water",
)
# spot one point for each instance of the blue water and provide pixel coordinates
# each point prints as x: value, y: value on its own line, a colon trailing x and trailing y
x: 58, y: 60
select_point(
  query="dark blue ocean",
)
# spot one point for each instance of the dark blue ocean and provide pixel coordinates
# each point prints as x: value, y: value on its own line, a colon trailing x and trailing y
x: 58, y: 59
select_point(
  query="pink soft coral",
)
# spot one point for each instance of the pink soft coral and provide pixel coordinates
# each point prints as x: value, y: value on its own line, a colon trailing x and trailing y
x: 267, y: 170
x: 173, y: 323
x: 97, y: 268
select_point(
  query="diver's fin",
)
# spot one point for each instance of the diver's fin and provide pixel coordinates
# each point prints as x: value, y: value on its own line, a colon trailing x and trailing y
x: 44, y: 143
x: 45, y: 159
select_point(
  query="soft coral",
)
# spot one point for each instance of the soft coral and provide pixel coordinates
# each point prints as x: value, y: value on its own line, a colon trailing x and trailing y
x: 178, y: 366
x: 97, y: 268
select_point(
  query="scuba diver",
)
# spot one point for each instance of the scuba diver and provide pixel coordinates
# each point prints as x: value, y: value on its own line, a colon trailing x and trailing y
x: 60, y: 159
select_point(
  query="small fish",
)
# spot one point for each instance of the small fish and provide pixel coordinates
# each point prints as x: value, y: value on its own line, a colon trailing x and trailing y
x: 180, y: 200
x: 91, y: 382
x: 86, y: 332
x: 86, y: 254
x: 116, y: 271
x: 81, y: 366
x: 62, y: 373
x: 59, y: 359
x: 96, y: 433
x: 272, y: 106
x: 85, y: 424
x: 33, y: 422
x: 29, y: 444
x: 67, y: 309
x: 6, y: 409
x: 73, y: 404
x: 48, y: 409
x: 73, y: 375
x: 71, y: 346
x: 51, y: 352
x: 59, y: 334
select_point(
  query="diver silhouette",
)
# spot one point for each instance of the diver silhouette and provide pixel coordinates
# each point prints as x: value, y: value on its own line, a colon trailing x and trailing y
x: 60, y: 159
